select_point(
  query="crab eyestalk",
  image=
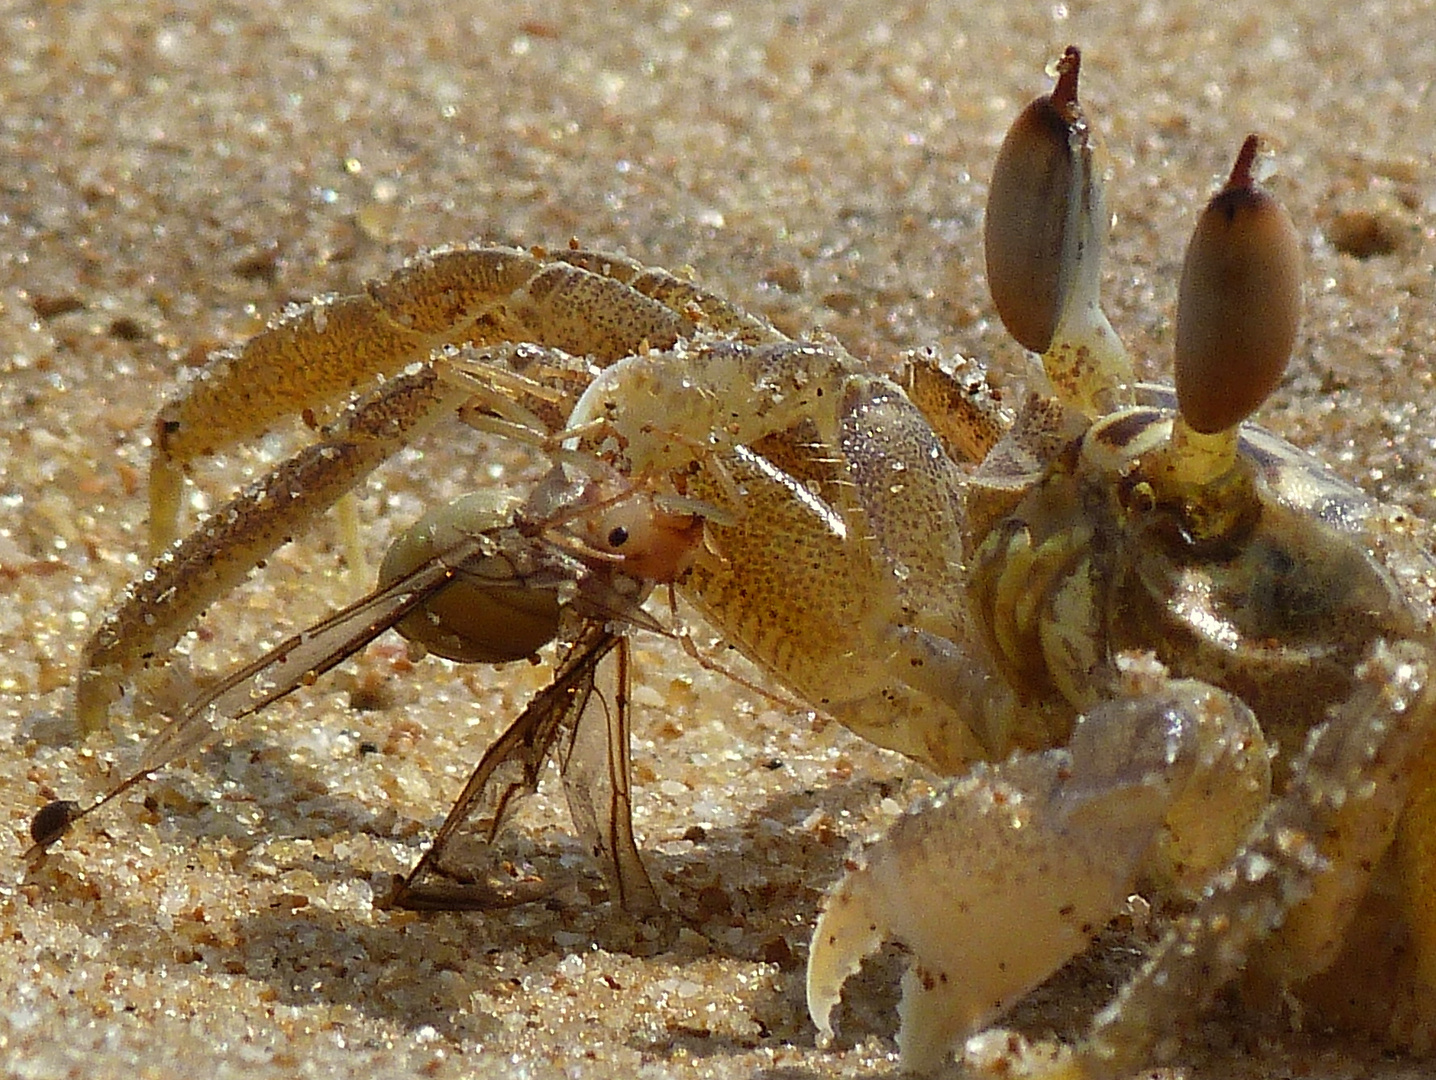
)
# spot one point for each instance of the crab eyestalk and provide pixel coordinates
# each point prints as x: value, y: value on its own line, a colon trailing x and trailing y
x: 1238, y: 308
x: 1046, y: 223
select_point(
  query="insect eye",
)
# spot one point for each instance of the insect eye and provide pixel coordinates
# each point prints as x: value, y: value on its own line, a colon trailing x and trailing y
x: 617, y: 536
x: 52, y: 821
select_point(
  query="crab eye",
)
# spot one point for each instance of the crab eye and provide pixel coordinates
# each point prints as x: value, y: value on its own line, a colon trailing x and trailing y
x: 1239, y: 302
x: 1029, y: 220
x: 617, y: 537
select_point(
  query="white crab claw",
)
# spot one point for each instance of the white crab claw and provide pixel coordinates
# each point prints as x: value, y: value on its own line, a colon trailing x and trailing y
x: 1009, y: 872
x: 992, y: 886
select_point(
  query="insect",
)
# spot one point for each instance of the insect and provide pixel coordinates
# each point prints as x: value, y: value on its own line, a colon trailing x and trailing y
x: 1132, y: 577
x: 477, y: 582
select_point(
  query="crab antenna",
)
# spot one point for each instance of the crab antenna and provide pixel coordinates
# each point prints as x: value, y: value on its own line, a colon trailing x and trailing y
x: 1046, y: 223
x: 1238, y: 308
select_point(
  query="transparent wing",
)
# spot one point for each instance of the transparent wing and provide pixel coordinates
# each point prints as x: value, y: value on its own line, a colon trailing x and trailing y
x: 593, y: 753
x: 594, y: 760
x: 297, y: 661
x: 596, y: 774
x: 302, y: 659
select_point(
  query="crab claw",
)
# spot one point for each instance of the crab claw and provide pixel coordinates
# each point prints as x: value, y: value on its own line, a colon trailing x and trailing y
x: 1008, y: 873
x: 967, y: 885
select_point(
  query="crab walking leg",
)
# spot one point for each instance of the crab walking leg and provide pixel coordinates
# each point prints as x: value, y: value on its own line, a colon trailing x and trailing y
x: 316, y: 353
x: 958, y: 404
x: 1416, y: 859
x: 691, y: 302
x: 586, y: 303
x: 1008, y: 873
x: 157, y: 608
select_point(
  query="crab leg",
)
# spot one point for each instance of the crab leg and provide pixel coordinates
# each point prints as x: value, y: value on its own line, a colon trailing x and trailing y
x: 586, y: 303
x: 1341, y: 811
x: 157, y: 608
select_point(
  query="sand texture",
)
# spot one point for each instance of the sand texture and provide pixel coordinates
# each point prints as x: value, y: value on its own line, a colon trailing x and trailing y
x: 171, y: 175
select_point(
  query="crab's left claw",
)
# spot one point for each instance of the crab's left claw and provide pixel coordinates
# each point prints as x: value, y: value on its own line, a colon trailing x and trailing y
x: 1003, y: 877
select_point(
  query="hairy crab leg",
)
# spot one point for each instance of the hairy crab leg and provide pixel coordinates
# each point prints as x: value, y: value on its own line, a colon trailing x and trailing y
x: 1085, y: 841
x: 585, y: 303
x: 158, y: 607
x: 956, y: 400
x: 1348, y: 790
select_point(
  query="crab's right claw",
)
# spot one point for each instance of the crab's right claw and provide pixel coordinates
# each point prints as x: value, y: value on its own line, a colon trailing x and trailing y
x: 1007, y: 874
x: 990, y: 888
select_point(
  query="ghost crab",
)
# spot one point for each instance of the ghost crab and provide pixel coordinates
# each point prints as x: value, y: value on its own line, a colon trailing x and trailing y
x: 1146, y: 560
x: 1082, y: 560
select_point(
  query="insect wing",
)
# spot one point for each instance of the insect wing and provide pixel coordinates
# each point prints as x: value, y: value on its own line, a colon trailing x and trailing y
x: 596, y: 775
x: 295, y: 662
x: 301, y: 659
x: 508, y: 771
x: 596, y: 746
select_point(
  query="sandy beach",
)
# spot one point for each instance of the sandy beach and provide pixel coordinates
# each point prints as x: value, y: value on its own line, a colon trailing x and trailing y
x: 175, y: 174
